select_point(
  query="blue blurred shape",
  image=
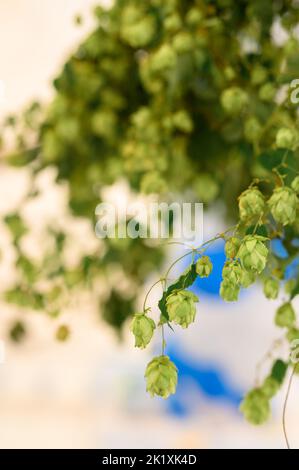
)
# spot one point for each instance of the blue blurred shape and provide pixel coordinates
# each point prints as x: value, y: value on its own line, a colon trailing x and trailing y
x: 208, y: 378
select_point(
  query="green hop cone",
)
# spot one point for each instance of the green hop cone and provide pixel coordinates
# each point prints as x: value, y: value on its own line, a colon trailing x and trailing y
x: 229, y: 292
x: 285, y: 316
x: 234, y: 100
x: 251, y: 204
x: 295, y: 184
x: 206, y: 188
x: 232, y: 246
x: 204, y: 266
x: 161, y: 377
x: 181, y: 307
x: 232, y: 272
x: 253, y: 253
x: 255, y: 407
x: 142, y: 328
x: 271, y: 288
x: 267, y: 92
x: 252, y: 129
x: 287, y: 138
x: 270, y: 387
x: 247, y: 278
x: 283, y: 205
x: 292, y: 335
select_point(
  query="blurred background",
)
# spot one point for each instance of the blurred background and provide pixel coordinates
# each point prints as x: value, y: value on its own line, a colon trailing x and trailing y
x: 89, y: 392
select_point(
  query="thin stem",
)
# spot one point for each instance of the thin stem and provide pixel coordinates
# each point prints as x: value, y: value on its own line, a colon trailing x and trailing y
x: 285, y: 406
x: 267, y: 356
x: 163, y: 339
x: 149, y: 291
x: 208, y: 242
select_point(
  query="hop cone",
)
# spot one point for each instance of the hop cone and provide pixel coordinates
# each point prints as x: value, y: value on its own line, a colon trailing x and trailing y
x: 255, y: 407
x: 253, y: 253
x: 234, y: 100
x: 231, y: 247
x: 283, y: 205
x: 286, y: 138
x: 232, y: 272
x: 285, y: 316
x: 142, y: 328
x: 181, y: 307
x: 247, y: 278
x: 204, y: 266
x: 229, y: 291
x: 161, y: 377
x: 271, y: 288
x: 251, y: 204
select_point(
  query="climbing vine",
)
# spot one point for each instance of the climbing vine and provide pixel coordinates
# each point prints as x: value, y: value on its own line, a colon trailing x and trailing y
x: 193, y: 98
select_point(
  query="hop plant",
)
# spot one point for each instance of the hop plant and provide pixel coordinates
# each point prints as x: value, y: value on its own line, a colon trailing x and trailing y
x: 181, y: 307
x: 285, y: 316
x: 161, y: 377
x: 271, y: 288
x: 287, y: 138
x: 142, y: 327
x: 255, y: 407
x: 229, y: 292
x: 253, y: 253
x: 283, y: 205
x: 234, y: 100
x: 232, y: 246
x: 251, y: 204
x: 204, y: 266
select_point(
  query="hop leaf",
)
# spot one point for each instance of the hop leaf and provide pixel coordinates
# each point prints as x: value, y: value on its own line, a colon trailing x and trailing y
x: 232, y: 246
x: 283, y: 205
x: 271, y: 288
x: 255, y: 407
x: 181, y: 307
x: 251, y: 204
x: 234, y: 100
x: 285, y: 316
x: 204, y: 266
x: 286, y: 138
x: 161, y: 377
x: 142, y: 328
x: 229, y: 292
x: 253, y: 253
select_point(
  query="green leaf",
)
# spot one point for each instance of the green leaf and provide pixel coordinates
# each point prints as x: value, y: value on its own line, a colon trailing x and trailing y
x: 274, y: 158
x: 279, y: 370
x: 260, y: 230
x: 23, y: 158
x: 184, y: 281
